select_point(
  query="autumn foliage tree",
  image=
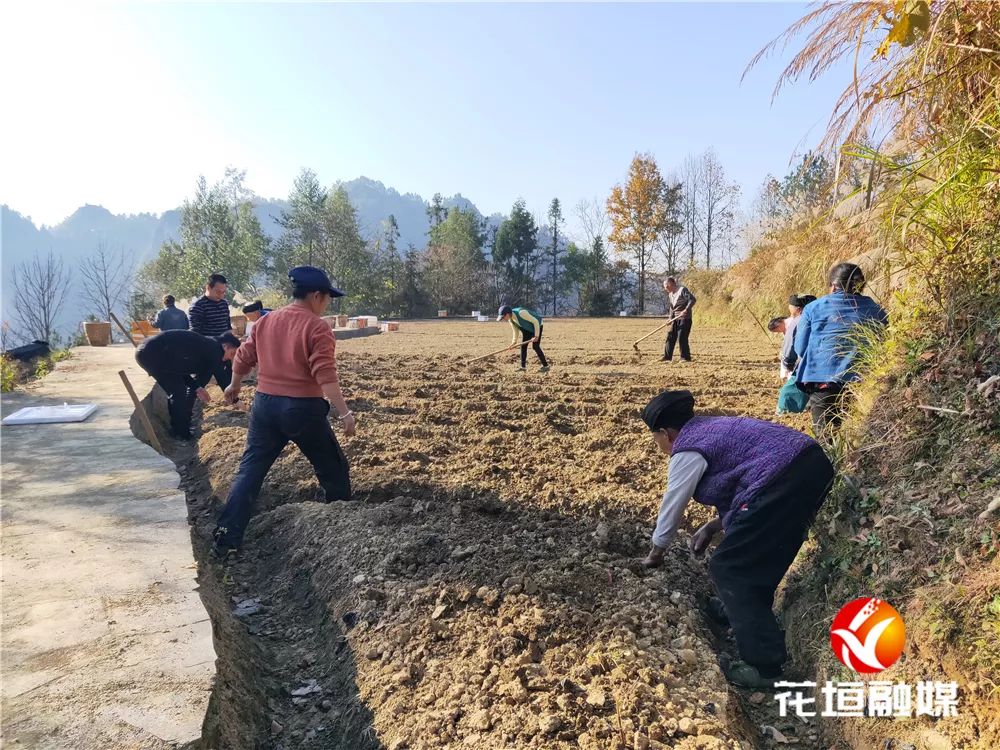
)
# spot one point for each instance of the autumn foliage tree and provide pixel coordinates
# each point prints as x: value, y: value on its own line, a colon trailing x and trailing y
x: 641, y: 211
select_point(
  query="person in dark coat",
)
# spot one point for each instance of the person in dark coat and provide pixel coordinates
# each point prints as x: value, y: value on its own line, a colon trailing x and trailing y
x: 766, y: 482
x: 182, y: 363
x: 170, y: 318
x: 680, y: 302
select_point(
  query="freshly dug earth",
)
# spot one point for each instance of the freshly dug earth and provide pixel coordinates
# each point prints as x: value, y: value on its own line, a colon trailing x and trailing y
x: 485, y: 589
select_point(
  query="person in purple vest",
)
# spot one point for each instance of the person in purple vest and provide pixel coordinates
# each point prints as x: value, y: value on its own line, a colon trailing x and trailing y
x: 766, y: 482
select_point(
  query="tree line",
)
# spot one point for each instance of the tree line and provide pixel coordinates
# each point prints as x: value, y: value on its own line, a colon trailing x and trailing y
x: 650, y: 225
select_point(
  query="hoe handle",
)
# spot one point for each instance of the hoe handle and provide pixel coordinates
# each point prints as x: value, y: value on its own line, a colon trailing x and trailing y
x: 635, y: 344
x: 498, y: 351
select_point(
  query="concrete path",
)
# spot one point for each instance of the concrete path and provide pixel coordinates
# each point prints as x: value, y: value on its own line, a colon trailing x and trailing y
x: 105, y: 642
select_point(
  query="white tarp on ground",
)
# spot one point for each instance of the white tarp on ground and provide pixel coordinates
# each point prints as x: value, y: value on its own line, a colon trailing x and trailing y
x: 51, y: 414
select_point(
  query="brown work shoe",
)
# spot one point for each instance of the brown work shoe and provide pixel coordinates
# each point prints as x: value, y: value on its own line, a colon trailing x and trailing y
x: 654, y: 559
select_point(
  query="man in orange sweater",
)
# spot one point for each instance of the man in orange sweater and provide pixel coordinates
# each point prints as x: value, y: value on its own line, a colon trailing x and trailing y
x: 293, y: 350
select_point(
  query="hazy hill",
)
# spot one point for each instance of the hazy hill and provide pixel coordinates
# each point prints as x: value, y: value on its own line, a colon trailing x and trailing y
x: 77, y: 236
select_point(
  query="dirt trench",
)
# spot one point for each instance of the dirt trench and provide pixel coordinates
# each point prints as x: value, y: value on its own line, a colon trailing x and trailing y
x: 462, y: 601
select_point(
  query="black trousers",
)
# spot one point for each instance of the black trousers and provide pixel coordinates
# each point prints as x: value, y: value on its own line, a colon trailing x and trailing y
x: 274, y: 422
x: 760, y: 544
x: 537, y: 346
x: 679, y: 329
x: 825, y: 407
x: 180, y: 397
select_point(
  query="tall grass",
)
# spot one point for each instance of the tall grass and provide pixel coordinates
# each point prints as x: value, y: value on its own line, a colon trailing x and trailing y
x: 921, y: 443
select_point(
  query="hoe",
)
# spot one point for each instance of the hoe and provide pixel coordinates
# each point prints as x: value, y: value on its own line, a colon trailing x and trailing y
x: 498, y: 351
x: 635, y: 344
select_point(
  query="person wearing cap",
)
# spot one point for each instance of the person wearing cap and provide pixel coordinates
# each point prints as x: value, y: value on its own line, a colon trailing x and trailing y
x: 529, y: 324
x: 182, y: 363
x: 254, y: 312
x: 766, y: 482
x: 293, y: 349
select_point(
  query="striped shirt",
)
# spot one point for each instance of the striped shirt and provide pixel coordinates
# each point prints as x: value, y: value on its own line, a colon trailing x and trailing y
x: 210, y: 318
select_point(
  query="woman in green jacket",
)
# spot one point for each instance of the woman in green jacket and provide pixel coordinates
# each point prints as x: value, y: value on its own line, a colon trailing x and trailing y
x: 529, y: 324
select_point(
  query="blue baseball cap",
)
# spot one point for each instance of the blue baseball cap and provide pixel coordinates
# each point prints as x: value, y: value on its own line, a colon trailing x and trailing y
x: 504, y: 310
x: 313, y: 278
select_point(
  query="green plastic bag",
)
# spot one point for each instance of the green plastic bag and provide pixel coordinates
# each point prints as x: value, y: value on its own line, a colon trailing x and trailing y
x: 790, y: 399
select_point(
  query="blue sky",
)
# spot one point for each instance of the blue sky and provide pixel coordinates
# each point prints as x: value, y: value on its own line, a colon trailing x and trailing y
x: 124, y: 105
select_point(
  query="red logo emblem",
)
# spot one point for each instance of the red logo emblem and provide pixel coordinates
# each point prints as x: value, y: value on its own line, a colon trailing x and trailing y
x: 868, y: 635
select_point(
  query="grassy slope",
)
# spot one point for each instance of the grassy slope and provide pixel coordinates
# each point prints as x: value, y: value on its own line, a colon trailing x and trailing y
x: 909, y: 522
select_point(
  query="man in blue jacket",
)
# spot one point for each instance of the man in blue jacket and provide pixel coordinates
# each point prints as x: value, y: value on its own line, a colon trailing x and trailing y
x: 827, y: 339
x: 170, y: 318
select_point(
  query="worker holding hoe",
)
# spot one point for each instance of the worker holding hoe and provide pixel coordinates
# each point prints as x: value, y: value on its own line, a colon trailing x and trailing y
x: 182, y: 363
x: 529, y: 324
x: 680, y: 301
x: 294, y: 351
x: 766, y: 482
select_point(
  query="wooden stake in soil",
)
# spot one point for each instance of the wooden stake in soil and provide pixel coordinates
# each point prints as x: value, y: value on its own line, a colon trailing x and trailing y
x: 127, y: 333
x: 143, y: 416
x: 498, y: 351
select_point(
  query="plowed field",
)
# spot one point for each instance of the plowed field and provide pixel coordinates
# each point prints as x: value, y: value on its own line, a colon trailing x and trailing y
x: 484, y: 591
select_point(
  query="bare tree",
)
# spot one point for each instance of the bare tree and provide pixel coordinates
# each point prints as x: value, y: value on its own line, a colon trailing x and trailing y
x: 593, y: 218
x: 719, y: 199
x: 40, y: 287
x: 689, y: 205
x: 735, y: 230
x: 106, y: 279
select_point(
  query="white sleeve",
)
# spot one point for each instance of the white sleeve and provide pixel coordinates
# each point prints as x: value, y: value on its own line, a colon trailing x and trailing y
x: 685, y: 471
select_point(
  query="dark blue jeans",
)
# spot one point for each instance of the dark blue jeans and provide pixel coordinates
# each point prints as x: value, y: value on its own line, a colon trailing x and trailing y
x: 274, y: 421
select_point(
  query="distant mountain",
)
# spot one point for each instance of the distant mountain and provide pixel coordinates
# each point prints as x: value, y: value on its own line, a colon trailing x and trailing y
x: 375, y: 202
x: 77, y: 236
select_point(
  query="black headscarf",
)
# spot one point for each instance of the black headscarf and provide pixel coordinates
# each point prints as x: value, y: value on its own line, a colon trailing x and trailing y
x: 669, y: 409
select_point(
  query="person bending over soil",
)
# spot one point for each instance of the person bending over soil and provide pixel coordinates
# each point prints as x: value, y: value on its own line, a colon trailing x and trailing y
x: 766, y: 482
x: 826, y: 339
x: 182, y: 363
x: 529, y: 324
